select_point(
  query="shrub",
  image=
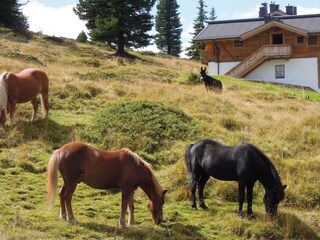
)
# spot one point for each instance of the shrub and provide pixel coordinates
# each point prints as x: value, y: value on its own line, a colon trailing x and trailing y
x: 144, y: 126
x: 82, y: 37
x: 193, y: 79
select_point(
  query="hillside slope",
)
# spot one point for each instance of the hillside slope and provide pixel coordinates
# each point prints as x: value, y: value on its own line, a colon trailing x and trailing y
x: 148, y: 105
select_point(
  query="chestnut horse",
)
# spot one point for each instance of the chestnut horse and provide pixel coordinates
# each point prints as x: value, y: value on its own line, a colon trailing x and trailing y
x: 123, y: 169
x: 20, y: 88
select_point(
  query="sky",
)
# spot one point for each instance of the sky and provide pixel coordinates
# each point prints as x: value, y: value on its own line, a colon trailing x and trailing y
x: 56, y: 17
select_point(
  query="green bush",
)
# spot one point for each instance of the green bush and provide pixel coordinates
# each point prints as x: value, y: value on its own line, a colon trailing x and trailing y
x: 193, y: 79
x: 144, y: 126
x: 82, y: 37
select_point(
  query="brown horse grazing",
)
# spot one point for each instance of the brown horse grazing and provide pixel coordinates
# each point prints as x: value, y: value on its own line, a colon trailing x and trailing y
x: 123, y: 169
x: 23, y: 87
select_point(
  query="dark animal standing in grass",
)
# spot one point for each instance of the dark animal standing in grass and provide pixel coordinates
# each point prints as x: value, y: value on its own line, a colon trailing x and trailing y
x: 20, y: 88
x: 210, y: 83
x: 243, y: 163
x: 123, y: 169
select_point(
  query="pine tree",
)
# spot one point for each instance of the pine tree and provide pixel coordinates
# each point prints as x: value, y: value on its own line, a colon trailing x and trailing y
x: 199, y: 24
x: 82, y: 37
x: 11, y: 15
x: 124, y: 23
x: 212, y: 15
x: 168, y: 27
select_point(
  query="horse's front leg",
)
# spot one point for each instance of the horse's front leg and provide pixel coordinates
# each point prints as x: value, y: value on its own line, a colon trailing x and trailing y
x: 11, y: 109
x: 3, y: 117
x: 124, y: 205
x: 131, y: 210
x: 35, y: 109
x: 241, y: 191
x: 249, y: 199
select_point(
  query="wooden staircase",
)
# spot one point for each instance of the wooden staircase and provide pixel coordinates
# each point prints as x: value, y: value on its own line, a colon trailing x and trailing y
x: 263, y: 54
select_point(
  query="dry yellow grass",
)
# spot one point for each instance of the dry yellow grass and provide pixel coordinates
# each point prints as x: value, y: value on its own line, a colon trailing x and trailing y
x: 85, y: 79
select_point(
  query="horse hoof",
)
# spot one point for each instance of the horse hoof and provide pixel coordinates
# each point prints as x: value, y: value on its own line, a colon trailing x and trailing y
x: 240, y: 214
x: 73, y: 221
x: 203, y: 206
x: 194, y: 208
x: 252, y: 217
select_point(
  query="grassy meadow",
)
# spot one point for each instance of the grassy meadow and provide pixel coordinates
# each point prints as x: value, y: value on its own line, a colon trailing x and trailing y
x: 151, y: 105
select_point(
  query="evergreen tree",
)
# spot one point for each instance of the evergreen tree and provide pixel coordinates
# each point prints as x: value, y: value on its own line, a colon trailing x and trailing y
x: 82, y: 37
x: 168, y: 27
x: 212, y: 15
x: 199, y: 24
x: 123, y: 23
x: 11, y: 15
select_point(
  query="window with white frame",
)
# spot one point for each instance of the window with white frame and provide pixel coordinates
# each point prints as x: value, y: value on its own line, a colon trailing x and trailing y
x: 280, y: 71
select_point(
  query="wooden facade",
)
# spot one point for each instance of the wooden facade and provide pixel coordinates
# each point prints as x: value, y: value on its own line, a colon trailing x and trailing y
x: 227, y: 51
x: 248, y: 47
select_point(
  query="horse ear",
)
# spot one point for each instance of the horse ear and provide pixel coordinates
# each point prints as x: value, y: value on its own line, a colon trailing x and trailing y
x: 164, y: 192
x: 201, y: 68
x: 284, y: 187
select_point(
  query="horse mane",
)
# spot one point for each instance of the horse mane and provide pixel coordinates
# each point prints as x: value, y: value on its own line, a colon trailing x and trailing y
x: 269, y: 164
x: 148, y: 166
x: 3, y: 92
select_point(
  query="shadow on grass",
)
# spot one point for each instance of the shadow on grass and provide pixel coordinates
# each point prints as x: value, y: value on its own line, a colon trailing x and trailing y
x: 294, y: 228
x: 169, y: 230
x: 44, y: 130
x: 96, y: 227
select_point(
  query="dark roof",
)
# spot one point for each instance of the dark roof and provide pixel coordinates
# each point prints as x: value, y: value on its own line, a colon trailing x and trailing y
x: 234, y: 28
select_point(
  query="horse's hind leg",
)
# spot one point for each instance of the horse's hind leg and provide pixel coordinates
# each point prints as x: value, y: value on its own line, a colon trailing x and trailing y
x: 203, y: 180
x: 68, y: 197
x: 193, y: 187
x: 45, y: 104
x: 35, y: 109
x: 63, y: 214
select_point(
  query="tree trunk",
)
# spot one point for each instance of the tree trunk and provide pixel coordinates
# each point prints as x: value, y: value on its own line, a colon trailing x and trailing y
x: 121, y: 42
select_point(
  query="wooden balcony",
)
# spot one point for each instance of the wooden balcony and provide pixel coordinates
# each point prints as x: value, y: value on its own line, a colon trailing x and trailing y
x: 264, y: 53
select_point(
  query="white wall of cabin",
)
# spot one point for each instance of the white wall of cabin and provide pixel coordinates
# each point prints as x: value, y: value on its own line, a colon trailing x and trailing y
x: 298, y: 71
x: 223, y: 67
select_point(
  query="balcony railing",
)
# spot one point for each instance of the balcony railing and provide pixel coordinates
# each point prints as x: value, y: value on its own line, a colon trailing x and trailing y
x: 258, y: 57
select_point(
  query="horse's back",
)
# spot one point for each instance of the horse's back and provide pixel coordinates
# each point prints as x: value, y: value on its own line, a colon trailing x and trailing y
x: 26, y: 85
x: 34, y: 74
x: 96, y: 168
x: 218, y: 160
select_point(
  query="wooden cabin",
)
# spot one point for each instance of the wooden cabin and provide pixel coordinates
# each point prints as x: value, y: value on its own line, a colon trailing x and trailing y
x: 280, y: 47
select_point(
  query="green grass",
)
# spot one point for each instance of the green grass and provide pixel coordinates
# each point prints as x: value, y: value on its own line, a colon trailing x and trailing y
x: 154, y: 105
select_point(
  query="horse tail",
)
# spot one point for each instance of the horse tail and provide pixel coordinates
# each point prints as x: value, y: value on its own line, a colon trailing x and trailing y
x: 187, y: 158
x: 52, y: 172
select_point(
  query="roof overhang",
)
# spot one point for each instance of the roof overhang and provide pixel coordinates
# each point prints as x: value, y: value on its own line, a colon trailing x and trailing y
x: 271, y: 24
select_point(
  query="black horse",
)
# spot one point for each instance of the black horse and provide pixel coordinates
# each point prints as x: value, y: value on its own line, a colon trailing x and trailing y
x: 243, y: 163
x: 210, y: 83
